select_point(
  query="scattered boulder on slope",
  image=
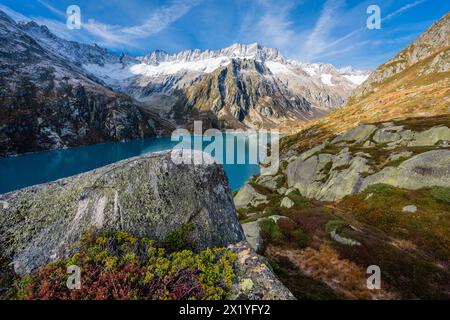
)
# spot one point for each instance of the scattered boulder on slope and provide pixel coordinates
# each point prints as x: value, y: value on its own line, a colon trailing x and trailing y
x: 255, y: 280
x: 248, y: 196
x: 427, y: 169
x: 387, y: 153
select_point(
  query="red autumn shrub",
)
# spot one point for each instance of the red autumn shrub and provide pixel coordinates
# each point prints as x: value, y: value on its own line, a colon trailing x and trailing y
x: 118, y: 266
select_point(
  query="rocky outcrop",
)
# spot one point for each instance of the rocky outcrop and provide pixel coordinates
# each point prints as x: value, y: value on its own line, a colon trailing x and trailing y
x: 148, y: 196
x: 252, y: 231
x: 434, y: 40
x: 387, y: 153
x: 255, y: 280
x: 427, y: 169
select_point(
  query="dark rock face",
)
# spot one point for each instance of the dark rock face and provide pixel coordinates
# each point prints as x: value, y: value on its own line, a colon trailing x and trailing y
x: 47, y: 101
x: 148, y: 196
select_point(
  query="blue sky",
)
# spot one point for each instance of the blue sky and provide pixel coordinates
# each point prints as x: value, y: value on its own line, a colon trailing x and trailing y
x: 331, y: 31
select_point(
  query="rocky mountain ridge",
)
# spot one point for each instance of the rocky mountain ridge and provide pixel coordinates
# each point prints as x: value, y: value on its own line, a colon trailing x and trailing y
x: 47, y: 101
x: 121, y: 97
x: 160, y: 79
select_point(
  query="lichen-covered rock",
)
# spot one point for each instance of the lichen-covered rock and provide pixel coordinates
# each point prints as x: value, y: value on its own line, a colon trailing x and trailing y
x: 269, y: 182
x: 248, y: 196
x: 397, y: 156
x: 386, y: 135
x: 252, y: 233
x: 286, y: 202
x: 357, y: 135
x: 427, y: 169
x: 255, y: 280
x: 431, y: 136
x: 148, y: 196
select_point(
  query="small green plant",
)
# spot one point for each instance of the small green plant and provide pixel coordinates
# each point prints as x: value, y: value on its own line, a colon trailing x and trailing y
x: 178, y: 240
x: 118, y: 266
x: 299, y: 238
x: 271, y: 233
x: 381, y: 188
x: 333, y: 225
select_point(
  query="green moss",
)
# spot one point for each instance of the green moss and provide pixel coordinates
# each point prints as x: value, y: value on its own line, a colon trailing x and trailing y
x: 381, y: 189
x: 178, y: 240
x: 299, y: 200
x: 332, y: 225
x: 329, y: 149
x: 396, y: 162
x: 343, y: 167
x: 271, y: 233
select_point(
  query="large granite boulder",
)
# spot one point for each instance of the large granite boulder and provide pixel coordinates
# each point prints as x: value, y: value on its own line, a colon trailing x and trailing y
x: 427, y: 169
x: 148, y: 196
x: 358, y: 134
x: 255, y: 280
x: 247, y: 196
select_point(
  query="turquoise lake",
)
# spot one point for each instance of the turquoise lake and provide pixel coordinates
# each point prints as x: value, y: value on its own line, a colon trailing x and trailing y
x: 26, y: 170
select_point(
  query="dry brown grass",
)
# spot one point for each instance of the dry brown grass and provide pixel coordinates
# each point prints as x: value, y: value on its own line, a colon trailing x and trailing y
x: 345, y: 277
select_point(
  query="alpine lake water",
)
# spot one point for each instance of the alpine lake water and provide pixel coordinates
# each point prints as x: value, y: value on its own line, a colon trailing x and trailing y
x: 35, y: 168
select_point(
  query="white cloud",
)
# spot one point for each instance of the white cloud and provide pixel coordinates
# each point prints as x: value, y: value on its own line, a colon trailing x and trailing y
x: 319, y: 37
x: 113, y: 35
x: 156, y: 22
x: 52, y: 8
x: 404, y: 8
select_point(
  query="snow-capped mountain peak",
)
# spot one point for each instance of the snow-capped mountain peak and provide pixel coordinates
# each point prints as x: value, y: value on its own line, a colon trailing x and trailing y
x: 236, y: 51
x: 248, y: 83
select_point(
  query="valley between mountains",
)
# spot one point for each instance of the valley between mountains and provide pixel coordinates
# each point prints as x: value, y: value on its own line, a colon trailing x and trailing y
x: 57, y: 93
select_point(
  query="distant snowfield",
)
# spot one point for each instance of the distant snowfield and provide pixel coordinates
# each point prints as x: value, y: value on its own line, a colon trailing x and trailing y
x: 117, y: 74
x: 111, y: 73
x: 326, y: 79
x: 174, y: 67
x: 357, y: 79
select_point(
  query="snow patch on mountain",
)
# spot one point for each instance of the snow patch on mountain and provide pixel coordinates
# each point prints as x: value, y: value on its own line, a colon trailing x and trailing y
x: 278, y: 68
x: 174, y: 67
x: 326, y: 79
